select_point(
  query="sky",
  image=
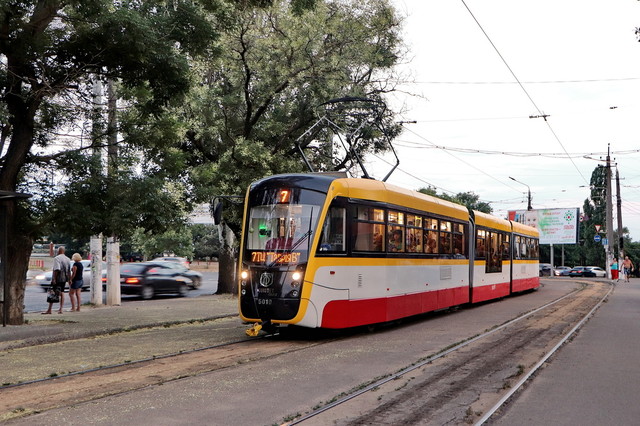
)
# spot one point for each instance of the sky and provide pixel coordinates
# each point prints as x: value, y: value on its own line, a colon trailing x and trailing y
x: 577, y: 63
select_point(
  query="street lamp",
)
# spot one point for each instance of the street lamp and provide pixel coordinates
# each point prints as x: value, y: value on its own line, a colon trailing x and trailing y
x: 528, y: 192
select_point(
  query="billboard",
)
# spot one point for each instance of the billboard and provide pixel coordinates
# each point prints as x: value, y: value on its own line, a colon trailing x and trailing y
x: 556, y: 226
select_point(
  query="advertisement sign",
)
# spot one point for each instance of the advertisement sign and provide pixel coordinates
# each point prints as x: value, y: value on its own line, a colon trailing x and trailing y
x: 556, y: 226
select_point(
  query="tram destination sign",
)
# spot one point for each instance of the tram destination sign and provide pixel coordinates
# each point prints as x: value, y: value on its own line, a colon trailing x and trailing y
x: 556, y: 226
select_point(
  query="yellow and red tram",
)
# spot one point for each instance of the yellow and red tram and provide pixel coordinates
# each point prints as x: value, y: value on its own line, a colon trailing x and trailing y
x: 327, y: 251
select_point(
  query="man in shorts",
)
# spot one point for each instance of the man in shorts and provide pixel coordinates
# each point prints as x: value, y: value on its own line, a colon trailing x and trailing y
x: 627, y: 268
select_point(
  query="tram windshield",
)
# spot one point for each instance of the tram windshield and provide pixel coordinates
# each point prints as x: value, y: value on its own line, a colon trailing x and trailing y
x: 281, y: 229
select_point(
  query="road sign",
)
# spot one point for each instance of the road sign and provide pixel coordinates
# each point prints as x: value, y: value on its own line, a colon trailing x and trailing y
x: 597, y: 238
x: 605, y: 242
x: 598, y: 229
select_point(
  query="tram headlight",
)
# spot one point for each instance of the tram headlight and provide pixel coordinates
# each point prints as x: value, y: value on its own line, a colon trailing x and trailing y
x: 243, y: 291
x: 296, y: 276
x: 244, y: 275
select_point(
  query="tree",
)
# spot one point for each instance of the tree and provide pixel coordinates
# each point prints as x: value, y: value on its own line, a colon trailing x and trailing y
x: 468, y: 199
x: 50, y: 52
x: 277, y: 65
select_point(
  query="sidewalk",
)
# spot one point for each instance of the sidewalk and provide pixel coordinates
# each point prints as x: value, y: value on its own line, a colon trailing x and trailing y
x: 593, y: 379
x: 58, y: 344
x: 100, y: 320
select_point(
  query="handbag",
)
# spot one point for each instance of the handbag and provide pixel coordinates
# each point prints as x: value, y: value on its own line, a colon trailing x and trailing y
x: 53, y: 296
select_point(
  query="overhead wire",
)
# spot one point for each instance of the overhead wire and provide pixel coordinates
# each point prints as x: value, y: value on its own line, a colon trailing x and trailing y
x: 540, y: 113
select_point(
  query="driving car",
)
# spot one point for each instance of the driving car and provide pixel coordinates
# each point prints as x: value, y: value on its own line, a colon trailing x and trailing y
x: 595, y: 271
x: 44, y: 279
x: 147, y: 279
x: 545, y: 269
x: 182, y: 260
x: 195, y: 276
x: 577, y: 271
x: 561, y: 271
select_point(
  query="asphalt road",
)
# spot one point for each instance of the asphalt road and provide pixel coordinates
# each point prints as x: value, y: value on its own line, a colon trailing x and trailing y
x: 36, y: 300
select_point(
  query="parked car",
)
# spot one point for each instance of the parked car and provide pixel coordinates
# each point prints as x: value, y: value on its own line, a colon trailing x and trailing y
x: 595, y: 271
x: 545, y: 269
x: 182, y: 260
x: 147, y: 279
x: 561, y: 271
x: 44, y: 279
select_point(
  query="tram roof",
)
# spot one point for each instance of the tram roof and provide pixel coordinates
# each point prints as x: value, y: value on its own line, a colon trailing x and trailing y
x: 373, y: 190
x: 520, y: 228
x: 488, y: 220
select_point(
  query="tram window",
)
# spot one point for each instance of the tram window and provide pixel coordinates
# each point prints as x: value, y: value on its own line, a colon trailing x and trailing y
x: 431, y: 242
x: 413, y: 220
x: 505, y: 246
x: 414, y: 240
x: 445, y: 243
x: 396, y: 239
x: 431, y: 224
x: 369, y: 229
x: 333, y: 231
x: 369, y: 214
x: 481, y: 244
x: 396, y: 217
x: 494, y: 260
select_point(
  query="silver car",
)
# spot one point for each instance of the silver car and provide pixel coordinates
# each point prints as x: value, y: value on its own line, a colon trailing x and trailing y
x: 44, y: 279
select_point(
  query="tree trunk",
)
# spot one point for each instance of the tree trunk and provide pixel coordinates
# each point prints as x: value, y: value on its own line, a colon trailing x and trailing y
x: 19, y: 249
x: 227, y: 261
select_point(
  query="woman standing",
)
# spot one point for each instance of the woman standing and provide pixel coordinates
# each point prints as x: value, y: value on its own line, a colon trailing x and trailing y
x: 76, y: 282
x: 614, y: 270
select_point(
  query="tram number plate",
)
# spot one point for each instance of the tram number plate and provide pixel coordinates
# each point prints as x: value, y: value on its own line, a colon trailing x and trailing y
x: 264, y: 301
x: 266, y: 291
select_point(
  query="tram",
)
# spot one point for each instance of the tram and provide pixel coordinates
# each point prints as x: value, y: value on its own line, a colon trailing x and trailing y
x: 322, y: 250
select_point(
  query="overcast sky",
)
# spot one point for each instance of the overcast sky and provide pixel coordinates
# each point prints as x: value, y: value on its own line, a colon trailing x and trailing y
x: 578, y: 62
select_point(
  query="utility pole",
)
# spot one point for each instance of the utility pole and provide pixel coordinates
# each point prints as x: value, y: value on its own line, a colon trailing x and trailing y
x: 609, y: 216
x: 619, y: 205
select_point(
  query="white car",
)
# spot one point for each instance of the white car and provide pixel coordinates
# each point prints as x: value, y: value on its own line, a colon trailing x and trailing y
x: 595, y: 271
x: 44, y: 279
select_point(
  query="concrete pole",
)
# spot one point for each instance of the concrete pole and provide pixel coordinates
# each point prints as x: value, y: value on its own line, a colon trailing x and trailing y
x: 113, y: 245
x: 95, y: 243
x: 113, y: 271
x: 609, y: 217
x: 96, y: 270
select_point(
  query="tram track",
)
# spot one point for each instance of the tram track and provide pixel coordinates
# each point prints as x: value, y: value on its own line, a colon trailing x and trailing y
x: 470, y: 381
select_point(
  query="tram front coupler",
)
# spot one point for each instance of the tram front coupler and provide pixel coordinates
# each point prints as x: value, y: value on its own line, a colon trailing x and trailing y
x: 263, y: 325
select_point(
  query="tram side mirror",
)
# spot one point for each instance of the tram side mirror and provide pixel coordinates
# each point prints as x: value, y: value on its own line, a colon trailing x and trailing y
x: 217, y: 211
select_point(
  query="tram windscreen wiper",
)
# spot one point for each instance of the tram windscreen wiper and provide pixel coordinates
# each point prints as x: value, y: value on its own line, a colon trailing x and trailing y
x: 297, y: 243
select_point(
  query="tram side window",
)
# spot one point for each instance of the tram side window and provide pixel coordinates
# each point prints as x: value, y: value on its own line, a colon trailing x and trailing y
x: 396, y: 235
x: 459, y: 243
x: 414, y: 234
x: 369, y: 229
x: 505, y: 246
x: 333, y: 231
x: 494, y: 259
x: 481, y: 244
x: 430, y: 235
x: 445, y: 237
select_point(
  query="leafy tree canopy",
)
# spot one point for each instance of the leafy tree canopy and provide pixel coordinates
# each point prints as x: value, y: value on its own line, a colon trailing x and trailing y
x: 468, y: 199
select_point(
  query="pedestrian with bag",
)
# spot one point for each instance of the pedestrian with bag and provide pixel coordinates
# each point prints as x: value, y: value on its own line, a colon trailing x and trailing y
x: 61, y: 275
